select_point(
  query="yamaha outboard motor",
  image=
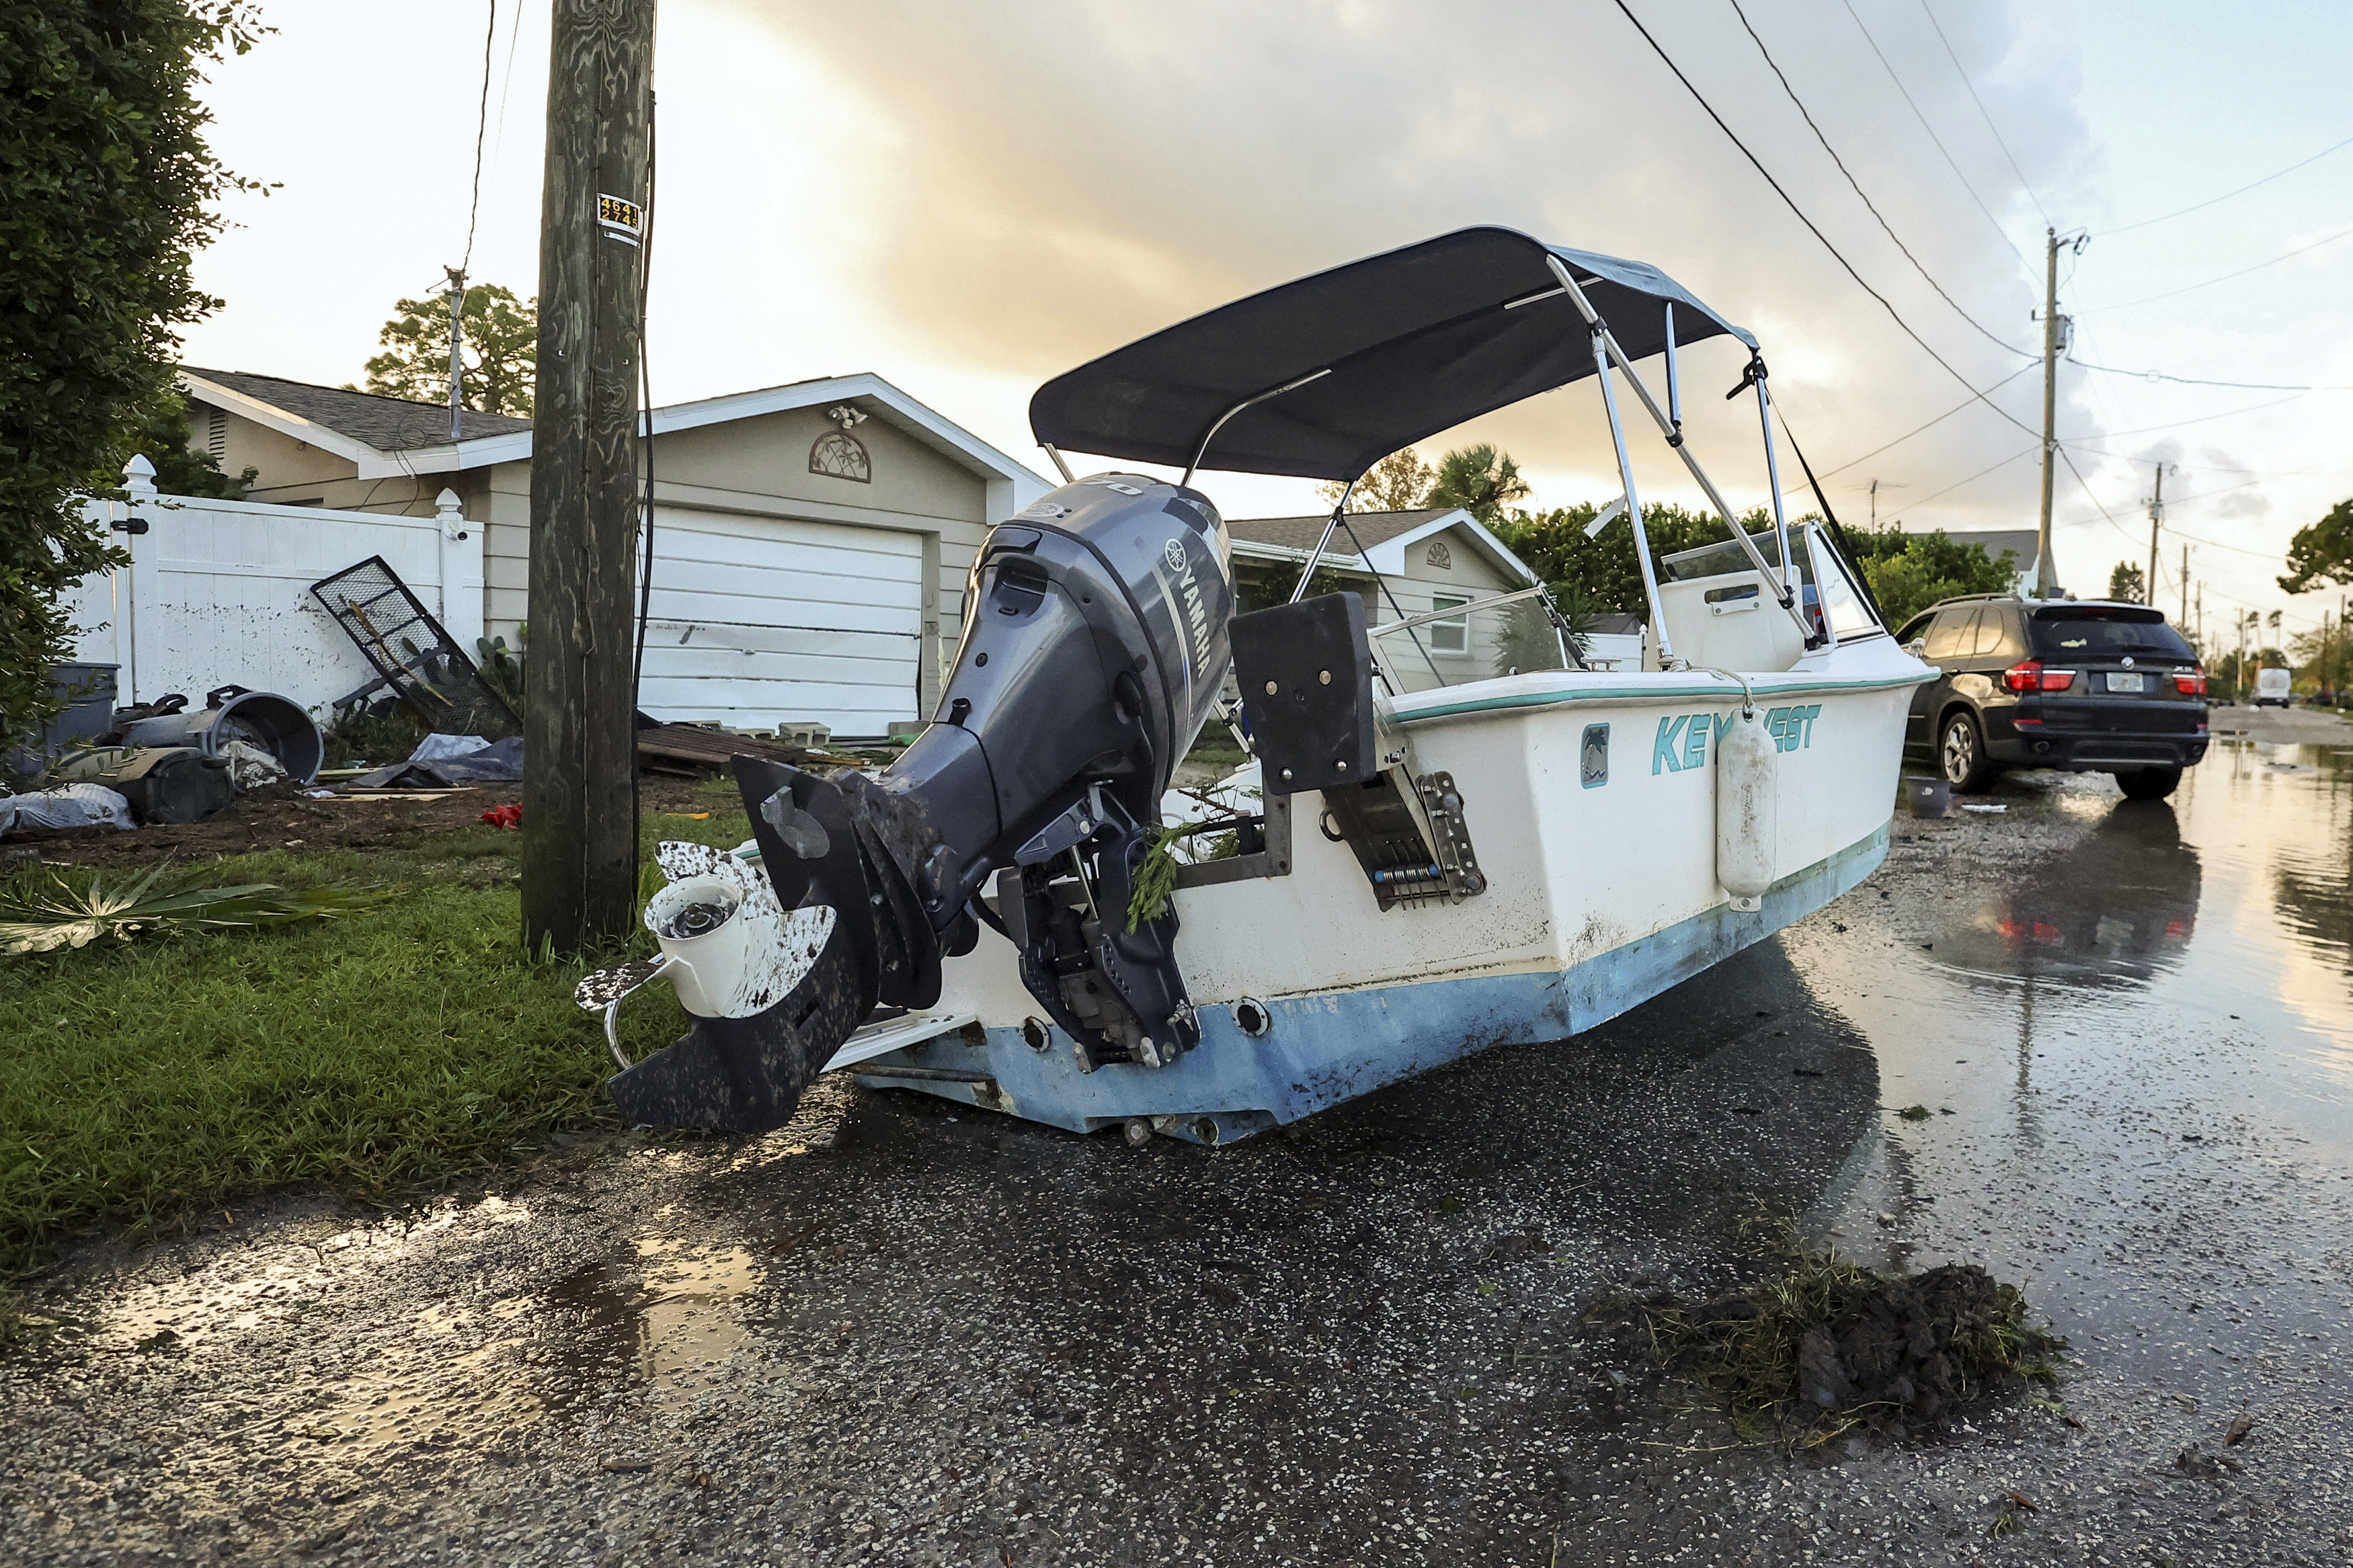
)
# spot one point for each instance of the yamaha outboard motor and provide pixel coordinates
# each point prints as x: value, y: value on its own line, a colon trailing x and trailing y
x: 1094, y: 642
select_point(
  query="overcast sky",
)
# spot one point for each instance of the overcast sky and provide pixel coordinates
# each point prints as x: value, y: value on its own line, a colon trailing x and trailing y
x: 969, y: 198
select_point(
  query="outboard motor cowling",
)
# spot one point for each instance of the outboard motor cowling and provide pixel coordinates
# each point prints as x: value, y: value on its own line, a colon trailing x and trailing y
x: 1094, y: 642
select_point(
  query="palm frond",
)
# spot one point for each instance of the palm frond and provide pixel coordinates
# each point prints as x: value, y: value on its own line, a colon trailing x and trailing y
x: 67, y: 916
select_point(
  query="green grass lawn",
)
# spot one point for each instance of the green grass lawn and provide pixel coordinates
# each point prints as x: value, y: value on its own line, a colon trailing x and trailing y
x: 395, y: 1047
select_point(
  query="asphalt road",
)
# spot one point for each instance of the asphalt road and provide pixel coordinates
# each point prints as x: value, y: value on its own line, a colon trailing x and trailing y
x: 896, y: 1334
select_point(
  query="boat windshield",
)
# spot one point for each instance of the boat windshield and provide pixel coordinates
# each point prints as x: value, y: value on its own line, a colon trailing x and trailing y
x: 1845, y: 608
x: 1455, y: 640
x: 1828, y: 593
x: 1721, y: 559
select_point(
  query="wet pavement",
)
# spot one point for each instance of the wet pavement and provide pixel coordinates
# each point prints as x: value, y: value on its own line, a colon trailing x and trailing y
x: 900, y: 1332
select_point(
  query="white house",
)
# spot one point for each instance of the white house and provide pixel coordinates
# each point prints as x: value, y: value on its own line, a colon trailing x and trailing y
x: 810, y: 540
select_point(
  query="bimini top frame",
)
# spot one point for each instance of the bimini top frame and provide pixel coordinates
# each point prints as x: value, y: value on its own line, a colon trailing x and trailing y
x: 1323, y: 378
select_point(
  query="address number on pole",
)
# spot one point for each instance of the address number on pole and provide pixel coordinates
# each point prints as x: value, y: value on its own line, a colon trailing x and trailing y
x: 620, y: 217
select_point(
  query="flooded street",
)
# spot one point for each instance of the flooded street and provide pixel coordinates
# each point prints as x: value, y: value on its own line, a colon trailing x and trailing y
x: 2103, y: 1048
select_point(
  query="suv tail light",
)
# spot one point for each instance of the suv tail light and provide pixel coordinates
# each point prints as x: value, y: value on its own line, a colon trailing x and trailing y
x: 2189, y: 683
x: 2030, y: 675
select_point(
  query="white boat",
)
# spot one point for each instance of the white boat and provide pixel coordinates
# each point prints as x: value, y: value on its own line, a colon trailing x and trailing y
x: 1512, y: 859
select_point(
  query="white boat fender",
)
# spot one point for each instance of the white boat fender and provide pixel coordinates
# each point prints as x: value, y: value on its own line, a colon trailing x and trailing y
x: 1747, y: 831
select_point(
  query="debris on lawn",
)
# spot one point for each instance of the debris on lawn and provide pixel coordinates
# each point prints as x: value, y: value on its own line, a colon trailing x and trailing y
x: 276, y: 726
x: 508, y: 816
x: 160, y: 784
x: 66, y: 806
x: 250, y: 767
x: 413, y: 656
x: 433, y: 767
x: 75, y: 916
x: 1827, y: 1346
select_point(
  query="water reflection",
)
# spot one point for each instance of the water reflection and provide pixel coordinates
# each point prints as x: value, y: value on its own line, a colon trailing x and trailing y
x: 2120, y: 908
x: 2311, y: 868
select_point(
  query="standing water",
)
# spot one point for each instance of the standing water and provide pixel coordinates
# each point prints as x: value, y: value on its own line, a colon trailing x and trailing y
x: 2128, y: 1070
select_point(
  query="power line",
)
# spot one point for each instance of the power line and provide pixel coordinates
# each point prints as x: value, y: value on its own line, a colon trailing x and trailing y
x: 1808, y: 115
x: 1949, y: 160
x: 1962, y: 71
x: 506, y: 87
x: 482, y: 124
x: 2226, y: 195
x: 1981, y: 473
x: 2178, y: 534
x: 1939, y: 419
x: 2203, y: 418
x: 2087, y: 488
x: 1895, y: 315
x: 2225, y: 278
x: 2198, y: 381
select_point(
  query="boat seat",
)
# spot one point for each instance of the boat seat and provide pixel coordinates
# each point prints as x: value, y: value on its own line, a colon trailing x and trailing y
x: 1730, y: 622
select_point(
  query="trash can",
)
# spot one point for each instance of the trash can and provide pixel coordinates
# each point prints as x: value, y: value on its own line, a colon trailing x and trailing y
x: 276, y: 725
x: 89, y: 692
x: 163, y: 784
x: 1927, y: 797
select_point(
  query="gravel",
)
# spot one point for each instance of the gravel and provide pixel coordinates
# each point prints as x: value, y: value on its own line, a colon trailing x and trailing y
x: 901, y: 1331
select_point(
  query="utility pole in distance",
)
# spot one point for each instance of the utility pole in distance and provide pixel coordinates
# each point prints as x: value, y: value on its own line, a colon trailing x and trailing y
x: 456, y: 347
x: 579, y: 829
x: 2054, y: 343
x: 2046, y: 575
x: 2156, y: 516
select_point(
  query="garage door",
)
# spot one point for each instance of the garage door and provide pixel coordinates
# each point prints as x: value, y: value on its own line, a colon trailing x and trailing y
x: 758, y: 621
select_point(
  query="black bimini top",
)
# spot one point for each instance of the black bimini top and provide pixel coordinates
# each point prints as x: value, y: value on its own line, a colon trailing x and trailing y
x: 1412, y: 342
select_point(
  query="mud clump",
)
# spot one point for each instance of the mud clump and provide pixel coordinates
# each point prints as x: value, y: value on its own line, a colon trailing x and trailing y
x: 1827, y: 1347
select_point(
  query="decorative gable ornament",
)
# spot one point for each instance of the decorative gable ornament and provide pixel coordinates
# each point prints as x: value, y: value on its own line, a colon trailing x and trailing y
x: 1439, y: 556
x: 840, y: 454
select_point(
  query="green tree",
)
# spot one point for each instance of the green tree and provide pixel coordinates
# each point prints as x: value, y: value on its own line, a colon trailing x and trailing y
x: 1910, y: 571
x: 1396, y: 483
x: 2322, y: 554
x: 180, y: 469
x: 1482, y: 479
x: 1603, y: 574
x: 500, y: 358
x: 109, y: 189
x: 2125, y: 582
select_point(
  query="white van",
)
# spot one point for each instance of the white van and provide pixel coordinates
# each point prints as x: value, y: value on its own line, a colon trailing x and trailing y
x: 2271, y: 687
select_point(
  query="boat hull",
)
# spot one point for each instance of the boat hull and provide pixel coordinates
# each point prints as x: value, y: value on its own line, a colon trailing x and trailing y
x: 1325, y: 1048
x: 1601, y: 894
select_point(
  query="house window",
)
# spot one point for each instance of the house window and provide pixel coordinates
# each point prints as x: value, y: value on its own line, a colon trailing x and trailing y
x: 1451, y: 635
x: 840, y: 454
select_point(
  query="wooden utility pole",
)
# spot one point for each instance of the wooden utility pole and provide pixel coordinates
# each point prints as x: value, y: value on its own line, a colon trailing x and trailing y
x: 579, y: 831
x: 2185, y: 588
x: 2156, y: 516
x: 2046, y: 573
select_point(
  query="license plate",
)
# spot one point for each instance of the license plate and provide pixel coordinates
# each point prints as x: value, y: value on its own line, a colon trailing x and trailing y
x: 2125, y: 682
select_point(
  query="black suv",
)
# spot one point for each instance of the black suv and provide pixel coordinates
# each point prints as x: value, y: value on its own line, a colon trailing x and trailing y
x: 2086, y: 686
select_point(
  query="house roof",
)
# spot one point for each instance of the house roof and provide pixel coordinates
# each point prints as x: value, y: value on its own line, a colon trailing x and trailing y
x: 1372, y: 529
x: 2021, y: 543
x: 1385, y: 535
x: 389, y: 436
x: 387, y: 423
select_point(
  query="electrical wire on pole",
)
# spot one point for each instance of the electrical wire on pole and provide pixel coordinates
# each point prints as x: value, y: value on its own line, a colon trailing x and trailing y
x: 1988, y: 332
x: 457, y: 273
x: 1811, y: 227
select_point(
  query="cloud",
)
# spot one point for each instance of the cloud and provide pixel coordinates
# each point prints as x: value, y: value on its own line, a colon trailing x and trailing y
x: 1055, y: 178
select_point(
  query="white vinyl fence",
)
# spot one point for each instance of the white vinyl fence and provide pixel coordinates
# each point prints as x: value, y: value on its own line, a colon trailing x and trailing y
x: 218, y: 592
